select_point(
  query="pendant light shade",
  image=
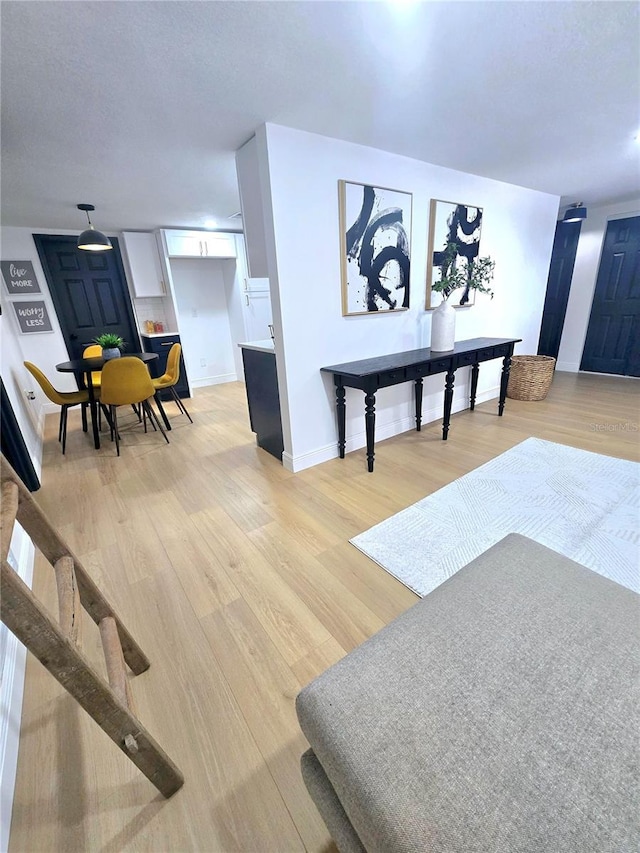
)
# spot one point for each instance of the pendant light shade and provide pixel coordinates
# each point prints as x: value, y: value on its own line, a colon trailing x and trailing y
x: 576, y: 213
x: 91, y: 240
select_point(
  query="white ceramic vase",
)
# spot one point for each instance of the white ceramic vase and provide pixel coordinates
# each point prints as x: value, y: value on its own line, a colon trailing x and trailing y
x: 443, y: 328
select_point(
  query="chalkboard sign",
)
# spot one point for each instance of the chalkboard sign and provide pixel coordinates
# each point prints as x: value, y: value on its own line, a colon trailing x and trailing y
x: 19, y: 277
x: 32, y: 317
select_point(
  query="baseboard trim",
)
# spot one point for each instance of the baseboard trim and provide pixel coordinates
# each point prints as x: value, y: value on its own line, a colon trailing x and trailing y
x: 568, y: 366
x: 213, y: 380
x: 383, y: 431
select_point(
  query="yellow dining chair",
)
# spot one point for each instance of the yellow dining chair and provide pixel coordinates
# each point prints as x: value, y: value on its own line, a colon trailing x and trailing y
x: 170, y: 378
x: 126, y: 382
x: 64, y: 399
x: 94, y: 351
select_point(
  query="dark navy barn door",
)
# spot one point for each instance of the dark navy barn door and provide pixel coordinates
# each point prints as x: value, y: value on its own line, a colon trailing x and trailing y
x: 612, y: 344
x: 563, y: 258
x: 89, y: 292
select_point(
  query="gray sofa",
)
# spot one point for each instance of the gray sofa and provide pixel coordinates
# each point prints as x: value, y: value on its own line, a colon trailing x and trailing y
x: 500, y: 714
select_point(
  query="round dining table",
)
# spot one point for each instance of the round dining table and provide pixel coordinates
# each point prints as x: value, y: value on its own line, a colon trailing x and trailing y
x: 83, y: 368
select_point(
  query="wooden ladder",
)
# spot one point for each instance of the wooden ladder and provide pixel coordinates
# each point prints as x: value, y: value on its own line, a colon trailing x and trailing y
x: 56, y: 645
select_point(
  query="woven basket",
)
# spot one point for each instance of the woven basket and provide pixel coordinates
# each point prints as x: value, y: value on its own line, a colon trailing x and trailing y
x: 530, y: 377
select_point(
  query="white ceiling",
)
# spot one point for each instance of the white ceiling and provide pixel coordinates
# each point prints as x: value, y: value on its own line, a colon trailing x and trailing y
x: 137, y: 107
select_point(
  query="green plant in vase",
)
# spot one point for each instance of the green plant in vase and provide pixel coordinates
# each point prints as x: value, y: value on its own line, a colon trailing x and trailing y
x: 476, y: 274
x: 111, y: 345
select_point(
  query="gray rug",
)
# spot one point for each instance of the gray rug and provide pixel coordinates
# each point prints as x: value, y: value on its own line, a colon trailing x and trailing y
x: 583, y: 505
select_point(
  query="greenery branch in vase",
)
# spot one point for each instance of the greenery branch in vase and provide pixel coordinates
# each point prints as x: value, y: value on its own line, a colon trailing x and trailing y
x: 111, y: 345
x: 476, y: 274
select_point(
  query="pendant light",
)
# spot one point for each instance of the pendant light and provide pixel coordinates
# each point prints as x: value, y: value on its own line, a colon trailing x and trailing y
x: 575, y: 213
x: 92, y: 240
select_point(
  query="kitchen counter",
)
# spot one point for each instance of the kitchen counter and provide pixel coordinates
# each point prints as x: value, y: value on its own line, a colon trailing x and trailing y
x: 259, y: 346
x: 156, y: 334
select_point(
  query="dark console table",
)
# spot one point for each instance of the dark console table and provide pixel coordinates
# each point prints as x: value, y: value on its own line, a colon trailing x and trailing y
x: 370, y: 374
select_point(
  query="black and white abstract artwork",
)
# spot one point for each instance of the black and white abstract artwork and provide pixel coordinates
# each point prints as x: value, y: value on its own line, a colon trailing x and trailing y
x: 375, y: 234
x: 452, y: 223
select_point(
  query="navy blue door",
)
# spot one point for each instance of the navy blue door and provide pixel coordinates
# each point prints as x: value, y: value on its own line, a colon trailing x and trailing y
x: 89, y: 291
x: 563, y: 258
x: 612, y: 344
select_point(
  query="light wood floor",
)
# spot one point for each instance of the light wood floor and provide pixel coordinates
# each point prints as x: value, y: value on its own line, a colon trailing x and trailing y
x: 238, y: 580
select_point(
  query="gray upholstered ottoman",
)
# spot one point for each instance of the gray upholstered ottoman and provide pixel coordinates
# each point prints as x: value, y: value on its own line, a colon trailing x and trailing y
x: 500, y: 714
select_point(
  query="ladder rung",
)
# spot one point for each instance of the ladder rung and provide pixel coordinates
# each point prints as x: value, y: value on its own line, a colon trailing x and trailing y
x: 10, y: 500
x: 115, y: 660
x: 55, y: 644
x: 23, y: 614
x: 68, y: 597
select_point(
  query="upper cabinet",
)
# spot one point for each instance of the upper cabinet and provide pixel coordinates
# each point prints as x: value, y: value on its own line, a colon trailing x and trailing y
x: 199, y: 244
x: 142, y: 262
x: 248, y: 170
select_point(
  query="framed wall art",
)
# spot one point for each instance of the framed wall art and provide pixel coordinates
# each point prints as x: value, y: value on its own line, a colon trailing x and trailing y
x: 32, y: 317
x: 451, y: 222
x: 19, y: 277
x: 375, y: 247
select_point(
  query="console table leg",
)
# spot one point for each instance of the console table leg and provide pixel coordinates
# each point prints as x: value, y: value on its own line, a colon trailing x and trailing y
x: 448, y: 400
x: 418, y: 404
x: 475, y: 370
x: 370, y: 425
x: 341, y: 410
x: 504, y: 381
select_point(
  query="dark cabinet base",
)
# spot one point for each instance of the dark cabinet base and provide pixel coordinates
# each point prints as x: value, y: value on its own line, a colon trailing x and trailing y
x: 263, y: 397
x: 161, y: 346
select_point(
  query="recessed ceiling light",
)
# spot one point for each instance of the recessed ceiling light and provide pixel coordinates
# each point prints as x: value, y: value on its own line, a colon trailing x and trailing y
x: 210, y: 223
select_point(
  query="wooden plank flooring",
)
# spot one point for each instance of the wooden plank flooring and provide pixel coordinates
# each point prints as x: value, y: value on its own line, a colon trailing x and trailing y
x: 238, y: 580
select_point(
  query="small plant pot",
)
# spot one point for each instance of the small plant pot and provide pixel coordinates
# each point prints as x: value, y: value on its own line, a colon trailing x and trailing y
x: 110, y: 352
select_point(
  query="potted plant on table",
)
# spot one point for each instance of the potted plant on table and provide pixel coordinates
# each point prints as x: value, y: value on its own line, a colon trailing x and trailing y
x: 111, y: 345
x: 476, y: 274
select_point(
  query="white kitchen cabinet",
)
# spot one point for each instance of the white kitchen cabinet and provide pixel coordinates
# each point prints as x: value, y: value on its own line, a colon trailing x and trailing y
x: 251, y: 202
x: 200, y: 244
x: 256, y: 285
x: 257, y: 314
x: 142, y: 262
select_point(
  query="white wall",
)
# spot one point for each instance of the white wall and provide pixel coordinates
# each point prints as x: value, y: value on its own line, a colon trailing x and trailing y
x: 583, y: 282
x: 16, y: 378
x: 304, y: 269
x: 203, y: 316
